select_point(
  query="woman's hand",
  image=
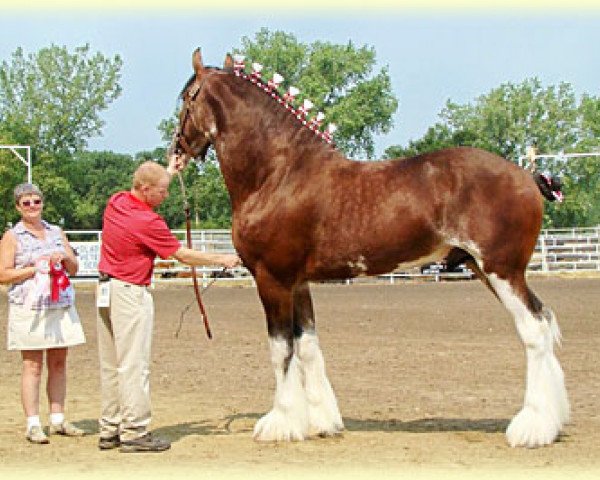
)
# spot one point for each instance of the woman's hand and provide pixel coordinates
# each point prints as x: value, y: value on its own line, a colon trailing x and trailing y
x: 42, y: 265
x: 56, y: 257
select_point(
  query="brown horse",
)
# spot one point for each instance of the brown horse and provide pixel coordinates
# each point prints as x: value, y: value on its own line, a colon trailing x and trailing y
x: 302, y: 212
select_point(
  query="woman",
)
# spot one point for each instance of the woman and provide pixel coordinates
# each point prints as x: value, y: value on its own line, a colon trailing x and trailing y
x: 34, y: 256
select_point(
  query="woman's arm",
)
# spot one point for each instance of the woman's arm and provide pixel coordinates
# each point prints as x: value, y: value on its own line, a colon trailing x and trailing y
x: 8, y: 272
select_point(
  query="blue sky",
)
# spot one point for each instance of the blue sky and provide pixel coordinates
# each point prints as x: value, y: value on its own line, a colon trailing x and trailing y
x: 432, y: 57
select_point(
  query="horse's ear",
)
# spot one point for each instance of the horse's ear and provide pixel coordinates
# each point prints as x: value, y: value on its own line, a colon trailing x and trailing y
x: 228, y: 63
x: 197, y: 62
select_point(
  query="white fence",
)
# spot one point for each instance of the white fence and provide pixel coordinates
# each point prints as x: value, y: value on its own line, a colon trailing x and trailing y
x: 562, y: 250
x: 567, y: 250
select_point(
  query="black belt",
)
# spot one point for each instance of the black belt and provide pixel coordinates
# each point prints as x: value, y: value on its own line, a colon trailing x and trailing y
x: 105, y: 277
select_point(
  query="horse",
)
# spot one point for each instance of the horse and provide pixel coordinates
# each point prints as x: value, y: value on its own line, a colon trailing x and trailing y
x: 302, y: 212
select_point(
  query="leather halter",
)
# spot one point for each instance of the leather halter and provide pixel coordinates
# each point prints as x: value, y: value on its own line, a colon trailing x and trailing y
x: 180, y: 141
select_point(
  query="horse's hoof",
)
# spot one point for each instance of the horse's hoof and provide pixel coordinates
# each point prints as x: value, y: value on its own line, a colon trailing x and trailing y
x: 276, y: 427
x: 532, y: 429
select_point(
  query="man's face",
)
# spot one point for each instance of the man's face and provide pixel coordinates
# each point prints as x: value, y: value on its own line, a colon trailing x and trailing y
x: 156, y: 194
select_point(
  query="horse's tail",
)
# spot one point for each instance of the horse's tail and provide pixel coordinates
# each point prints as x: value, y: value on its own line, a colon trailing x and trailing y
x: 549, y: 186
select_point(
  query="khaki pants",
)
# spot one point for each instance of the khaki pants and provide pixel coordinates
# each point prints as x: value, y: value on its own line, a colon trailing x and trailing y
x: 124, y: 344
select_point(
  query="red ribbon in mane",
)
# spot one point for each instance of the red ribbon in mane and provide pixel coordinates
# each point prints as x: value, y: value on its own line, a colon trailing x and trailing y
x: 58, y: 280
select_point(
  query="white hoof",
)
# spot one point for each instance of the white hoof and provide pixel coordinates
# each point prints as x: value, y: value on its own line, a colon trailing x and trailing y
x: 276, y: 427
x: 531, y: 429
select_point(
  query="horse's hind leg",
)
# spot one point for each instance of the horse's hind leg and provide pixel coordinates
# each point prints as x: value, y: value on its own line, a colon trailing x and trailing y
x: 288, y: 419
x: 323, y: 412
x: 546, y: 407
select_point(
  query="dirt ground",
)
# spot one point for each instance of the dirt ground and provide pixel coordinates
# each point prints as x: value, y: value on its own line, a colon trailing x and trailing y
x: 427, y: 377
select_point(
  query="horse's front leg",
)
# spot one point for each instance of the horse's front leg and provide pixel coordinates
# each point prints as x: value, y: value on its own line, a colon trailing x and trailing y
x: 323, y: 412
x: 288, y: 419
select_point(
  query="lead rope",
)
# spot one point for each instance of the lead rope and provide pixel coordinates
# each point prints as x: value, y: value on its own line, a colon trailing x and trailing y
x: 188, y: 231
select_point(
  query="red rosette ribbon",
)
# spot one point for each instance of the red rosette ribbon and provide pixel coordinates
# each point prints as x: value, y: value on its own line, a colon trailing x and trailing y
x: 58, y: 280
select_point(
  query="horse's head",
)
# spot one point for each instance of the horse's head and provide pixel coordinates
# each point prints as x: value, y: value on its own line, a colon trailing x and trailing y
x: 197, y: 125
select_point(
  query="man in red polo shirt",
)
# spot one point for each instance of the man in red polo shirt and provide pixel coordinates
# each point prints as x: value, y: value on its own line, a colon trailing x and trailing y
x: 133, y: 235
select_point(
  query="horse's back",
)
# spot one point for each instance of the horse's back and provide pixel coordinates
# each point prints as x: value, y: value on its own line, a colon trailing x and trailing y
x: 444, y: 183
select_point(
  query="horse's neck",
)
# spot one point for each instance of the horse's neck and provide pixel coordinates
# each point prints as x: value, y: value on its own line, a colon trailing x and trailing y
x: 244, y: 148
x: 246, y: 162
x: 252, y: 158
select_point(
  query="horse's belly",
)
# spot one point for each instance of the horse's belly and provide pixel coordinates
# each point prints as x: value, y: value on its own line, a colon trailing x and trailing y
x: 358, y: 264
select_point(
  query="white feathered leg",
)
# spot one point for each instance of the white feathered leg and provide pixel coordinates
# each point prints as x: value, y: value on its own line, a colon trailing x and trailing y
x: 288, y: 419
x: 323, y: 412
x: 546, y: 406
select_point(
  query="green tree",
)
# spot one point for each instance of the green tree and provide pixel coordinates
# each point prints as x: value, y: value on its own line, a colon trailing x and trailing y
x: 589, y: 137
x: 51, y: 99
x: 209, y: 197
x: 507, y: 120
x: 581, y: 185
x: 514, y: 116
x: 94, y: 177
x: 59, y: 197
x: 437, y: 137
x: 338, y: 79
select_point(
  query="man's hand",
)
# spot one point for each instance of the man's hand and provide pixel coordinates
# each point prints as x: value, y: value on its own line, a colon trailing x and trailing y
x: 177, y: 163
x: 230, y: 260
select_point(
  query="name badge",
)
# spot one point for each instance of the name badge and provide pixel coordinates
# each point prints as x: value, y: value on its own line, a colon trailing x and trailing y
x: 103, y: 295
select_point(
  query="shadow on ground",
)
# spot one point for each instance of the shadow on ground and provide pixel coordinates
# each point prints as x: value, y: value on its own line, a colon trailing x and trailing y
x: 244, y: 423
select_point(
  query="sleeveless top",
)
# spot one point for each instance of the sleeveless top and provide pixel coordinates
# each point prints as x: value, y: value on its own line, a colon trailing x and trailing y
x: 35, y: 292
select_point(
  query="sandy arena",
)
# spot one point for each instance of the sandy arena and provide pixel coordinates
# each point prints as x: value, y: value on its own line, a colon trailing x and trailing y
x: 427, y: 377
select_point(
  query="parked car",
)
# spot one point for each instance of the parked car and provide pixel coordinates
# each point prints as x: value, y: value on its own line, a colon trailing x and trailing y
x: 437, y: 268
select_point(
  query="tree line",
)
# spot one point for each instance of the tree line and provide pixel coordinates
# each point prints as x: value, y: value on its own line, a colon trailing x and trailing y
x: 52, y: 100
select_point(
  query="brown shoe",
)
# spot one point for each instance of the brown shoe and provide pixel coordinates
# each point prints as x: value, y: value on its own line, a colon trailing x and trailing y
x: 67, y: 429
x: 37, y: 435
x: 145, y: 444
x: 108, y: 443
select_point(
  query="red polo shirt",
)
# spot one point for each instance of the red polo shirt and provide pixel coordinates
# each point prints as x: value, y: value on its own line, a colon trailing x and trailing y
x: 133, y: 235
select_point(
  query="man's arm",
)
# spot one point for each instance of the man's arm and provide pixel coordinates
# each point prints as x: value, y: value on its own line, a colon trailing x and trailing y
x: 196, y: 258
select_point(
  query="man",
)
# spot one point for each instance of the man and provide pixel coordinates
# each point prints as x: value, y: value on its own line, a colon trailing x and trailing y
x: 132, y: 236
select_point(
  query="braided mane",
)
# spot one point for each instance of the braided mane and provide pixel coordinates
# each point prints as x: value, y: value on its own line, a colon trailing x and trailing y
x: 279, y: 106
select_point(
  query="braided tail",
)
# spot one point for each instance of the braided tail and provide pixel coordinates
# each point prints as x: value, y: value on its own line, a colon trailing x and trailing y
x: 549, y: 186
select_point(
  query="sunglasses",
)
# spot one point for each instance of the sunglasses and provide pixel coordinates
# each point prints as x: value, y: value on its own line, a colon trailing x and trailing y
x: 29, y: 203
